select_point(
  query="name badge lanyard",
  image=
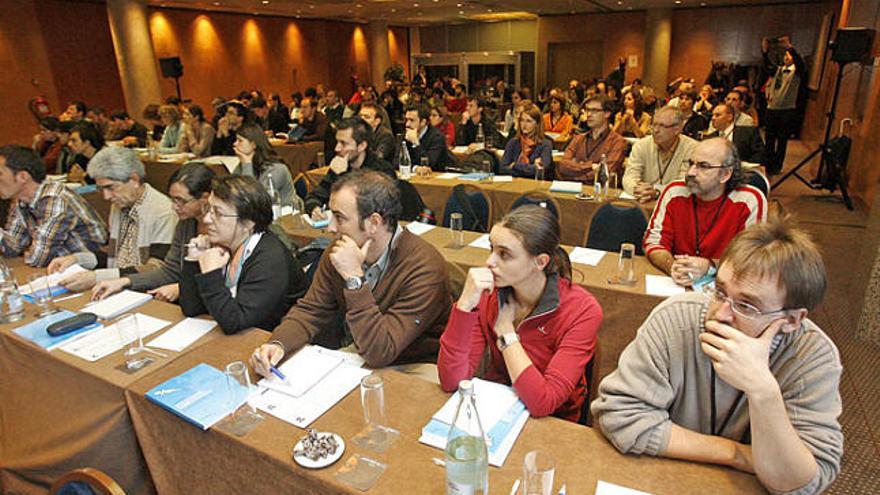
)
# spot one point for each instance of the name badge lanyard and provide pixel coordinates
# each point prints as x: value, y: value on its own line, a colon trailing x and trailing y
x: 699, y: 250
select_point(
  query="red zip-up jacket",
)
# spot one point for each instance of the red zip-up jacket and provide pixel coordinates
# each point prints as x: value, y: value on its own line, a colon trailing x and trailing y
x: 558, y: 336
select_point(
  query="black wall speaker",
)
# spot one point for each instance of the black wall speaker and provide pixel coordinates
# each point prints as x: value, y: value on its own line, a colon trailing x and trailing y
x: 171, y: 67
x: 852, y: 45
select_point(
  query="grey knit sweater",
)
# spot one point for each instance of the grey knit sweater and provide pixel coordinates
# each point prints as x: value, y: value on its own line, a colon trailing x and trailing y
x: 663, y: 377
x: 168, y: 272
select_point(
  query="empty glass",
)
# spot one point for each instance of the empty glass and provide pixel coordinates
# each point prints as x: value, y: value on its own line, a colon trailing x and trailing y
x: 456, y: 224
x: 238, y: 382
x: 539, y: 173
x: 613, y: 192
x: 424, y: 167
x: 625, y: 274
x: 373, y: 400
x: 538, y: 470
x: 41, y: 292
x: 319, y: 159
x: 133, y: 343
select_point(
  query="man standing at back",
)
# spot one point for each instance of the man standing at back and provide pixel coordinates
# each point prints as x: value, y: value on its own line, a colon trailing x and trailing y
x: 46, y: 219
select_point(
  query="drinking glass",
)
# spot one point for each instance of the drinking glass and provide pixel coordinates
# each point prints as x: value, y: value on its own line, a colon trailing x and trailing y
x: 456, y: 224
x: 424, y: 167
x: 132, y: 341
x: 319, y: 159
x: 373, y: 400
x: 613, y: 192
x: 539, y: 173
x: 486, y: 168
x: 41, y: 292
x: 244, y: 418
x: 538, y: 470
x: 625, y: 274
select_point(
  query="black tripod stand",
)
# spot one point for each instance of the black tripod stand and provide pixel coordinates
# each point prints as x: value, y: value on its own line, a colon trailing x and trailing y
x: 826, y: 160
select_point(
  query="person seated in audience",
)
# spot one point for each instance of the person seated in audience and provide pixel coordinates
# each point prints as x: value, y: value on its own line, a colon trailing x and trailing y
x: 85, y: 141
x: 173, y: 134
x: 198, y: 135
x: 98, y: 116
x: 522, y: 310
x: 748, y: 98
x: 736, y: 102
x: 510, y: 117
x: 46, y: 219
x: 333, y: 108
x: 747, y: 139
x: 695, y: 219
x: 650, y: 103
x: 259, y: 111
x: 680, y: 86
x: 633, y: 120
x: 189, y: 191
x: 440, y: 120
x: 124, y: 128
x: 75, y: 112
x: 457, y: 102
x: 660, y: 158
x: 379, y: 290
x: 584, y: 153
x: 557, y: 120
x: 741, y: 378
x: 239, y: 272
x: 257, y: 158
x: 66, y: 155
x: 706, y: 100
x: 234, y: 116
x: 695, y: 124
x: 529, y: 151
x: 471, y: 121
x: 154, y: 122
x: 141, y: 222
x: 295, y: 101
x: 381, y: 139
x: 278, y: 119
x: 47, y: 143
x: 352, y: 153
x: 313, y: 121
x: 424, y: 140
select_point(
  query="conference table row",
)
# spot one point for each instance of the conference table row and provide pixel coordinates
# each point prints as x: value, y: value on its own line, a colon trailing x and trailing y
x: 60, y: 412
x: 575, y: 213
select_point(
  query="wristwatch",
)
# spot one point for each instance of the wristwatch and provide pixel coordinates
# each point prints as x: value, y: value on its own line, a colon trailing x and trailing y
x: 506, y: 340
x: 354, y: 283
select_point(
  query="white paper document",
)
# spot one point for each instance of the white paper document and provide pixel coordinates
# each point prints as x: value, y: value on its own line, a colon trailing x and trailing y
x: 52, y: 279
x: 104, y: 341
x: 459, y: 150
x: 449, y: 175
x: 117, y: 304
x: 566, y: 186
x: 661, y: 285
x: 317, y: 379
x: 493, y: 401
x: 625, y: 195
x: 586, y: 256
x: 180, y: 336
x: 419, y: 228
x: 502, y: 178
x: 605, y: 488
x: 481, y: 242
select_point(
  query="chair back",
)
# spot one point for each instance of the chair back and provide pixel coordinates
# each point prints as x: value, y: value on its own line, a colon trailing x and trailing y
x: 86, y: 481
x: 615, y: 223
x: 473, y: 204
x: 757, y: 179
x: 302, y: 186
x: 591, y: 382
x: 539, y: 198
x: 410, y: 200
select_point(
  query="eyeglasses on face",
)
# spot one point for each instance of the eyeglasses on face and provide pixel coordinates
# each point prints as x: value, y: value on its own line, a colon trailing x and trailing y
x: 182, y: 201
x: 659, y: 125
x: 742, y: 308
x: 704, y: 165
x: 219, y: 214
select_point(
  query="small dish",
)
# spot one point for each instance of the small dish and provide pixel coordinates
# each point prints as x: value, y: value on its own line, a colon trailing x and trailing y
x: 320, y: 463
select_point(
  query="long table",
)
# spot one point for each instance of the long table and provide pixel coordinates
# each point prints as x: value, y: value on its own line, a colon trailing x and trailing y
x: 186, y: 460
x: 624, y: 307
x: 574, y: 214
x: 59, y: 412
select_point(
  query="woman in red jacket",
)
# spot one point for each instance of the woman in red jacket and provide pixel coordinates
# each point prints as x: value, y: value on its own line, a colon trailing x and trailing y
x: 539, y: 328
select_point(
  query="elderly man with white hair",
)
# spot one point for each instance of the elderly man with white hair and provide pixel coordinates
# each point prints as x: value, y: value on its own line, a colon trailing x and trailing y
x: 142, y: 222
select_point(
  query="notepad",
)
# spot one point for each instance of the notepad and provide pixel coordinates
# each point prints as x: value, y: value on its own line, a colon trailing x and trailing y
x: 419, y: 228
x: 586, y: 256
x: 182, y: 335
x: 566, y: 186
x: 661, y: 285
x: 449, y: 175
x: 605, y: 488
x: 53, y: 280
x: 302, y: 371
x: 103, y: 342
x: 502, y: 178
x: 117, y: 304
x: 481, y: 242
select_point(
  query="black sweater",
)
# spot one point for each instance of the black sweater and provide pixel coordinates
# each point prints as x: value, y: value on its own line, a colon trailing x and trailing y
x: 271, y: 281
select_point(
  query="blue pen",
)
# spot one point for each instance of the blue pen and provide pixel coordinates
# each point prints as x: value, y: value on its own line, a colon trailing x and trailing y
x: 277, y: 373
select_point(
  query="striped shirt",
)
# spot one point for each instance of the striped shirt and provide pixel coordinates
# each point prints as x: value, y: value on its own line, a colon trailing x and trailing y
x: 673, y: 226
x: 57, y: 222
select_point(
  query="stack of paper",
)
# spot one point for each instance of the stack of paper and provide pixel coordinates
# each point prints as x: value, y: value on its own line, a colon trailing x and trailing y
x: 566, y: 186
x: 55, y: 289
x: 586, y: 256
x: 103, y: 342
x: 35, y: 331
x: 201, y: 396
x: 317, y: 378
x: 605, y: 488
x: 501, y: 413
x: 449, y: 175
x: 117, y: 304
x: 661, y: 285
x: 481, y: 242
x: 475, y: 176
x: 180, y: 336
x: 419, y: 228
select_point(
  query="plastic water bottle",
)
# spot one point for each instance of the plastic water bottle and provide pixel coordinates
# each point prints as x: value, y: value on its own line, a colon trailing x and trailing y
x: 600, y: 181
x: 404, y: 162
x: 481, y: 137
x: 11, y: 302
x: 276, y: 200
x: 467, y: 457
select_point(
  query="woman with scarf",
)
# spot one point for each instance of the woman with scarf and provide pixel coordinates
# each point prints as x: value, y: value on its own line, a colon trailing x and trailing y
x: 530, y: 150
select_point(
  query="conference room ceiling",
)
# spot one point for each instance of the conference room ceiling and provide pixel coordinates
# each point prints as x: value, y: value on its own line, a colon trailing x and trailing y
x: 417, y: 12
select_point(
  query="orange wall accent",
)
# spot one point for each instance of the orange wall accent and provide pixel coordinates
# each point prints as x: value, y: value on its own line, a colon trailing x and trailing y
x: 398, y: 45
x: 26, y: 72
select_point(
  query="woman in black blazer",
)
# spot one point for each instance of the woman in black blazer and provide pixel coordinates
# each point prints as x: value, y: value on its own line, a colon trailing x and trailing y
x: 239, y: 272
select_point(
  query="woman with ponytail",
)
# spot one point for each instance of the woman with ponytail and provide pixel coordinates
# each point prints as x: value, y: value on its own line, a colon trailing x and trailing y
x: 538, y: 328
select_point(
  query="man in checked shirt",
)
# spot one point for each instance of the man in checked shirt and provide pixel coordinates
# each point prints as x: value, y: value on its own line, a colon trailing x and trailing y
x: 46, y: 219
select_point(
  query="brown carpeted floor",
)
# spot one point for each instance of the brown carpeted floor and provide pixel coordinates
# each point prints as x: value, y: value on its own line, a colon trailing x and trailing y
x: 840, y: 234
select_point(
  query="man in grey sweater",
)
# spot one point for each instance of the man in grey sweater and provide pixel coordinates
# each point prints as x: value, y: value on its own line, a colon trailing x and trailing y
x: 741, y: 378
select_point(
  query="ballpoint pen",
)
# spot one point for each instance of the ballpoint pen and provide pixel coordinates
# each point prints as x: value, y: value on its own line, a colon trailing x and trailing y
x: 275, y: 371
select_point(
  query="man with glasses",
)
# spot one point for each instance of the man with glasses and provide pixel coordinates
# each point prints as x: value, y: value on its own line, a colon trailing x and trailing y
x: 584, y: 153
x: 141, y: 222
x: 660, y: 158
x: 695, y: 219
x: 740, y: 378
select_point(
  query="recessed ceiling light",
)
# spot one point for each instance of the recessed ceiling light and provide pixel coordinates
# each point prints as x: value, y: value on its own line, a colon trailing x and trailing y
x: 393, y: 10
x: 311, y: 6
x: 360, y: 6
x: 265, y: 2
x: 415, y: 5
x: 702, y: 4
x: 677, y: 2
x: 458, y: 5
x: 460, y: 12
x: 619, y: 2
x: 216, y: 4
